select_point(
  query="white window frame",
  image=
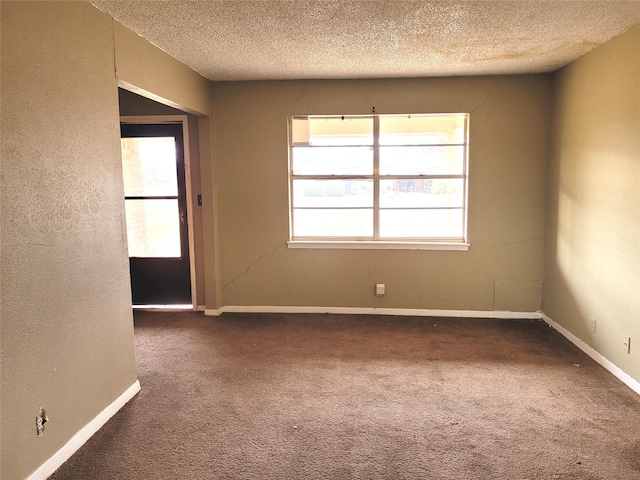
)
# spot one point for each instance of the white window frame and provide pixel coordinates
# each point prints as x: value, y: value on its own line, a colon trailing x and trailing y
x: 376, y: 241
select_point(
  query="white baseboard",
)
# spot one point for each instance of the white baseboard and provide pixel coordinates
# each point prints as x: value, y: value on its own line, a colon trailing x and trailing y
x: 84, y: 434
x: 416, y: 312
x: 595, y: 355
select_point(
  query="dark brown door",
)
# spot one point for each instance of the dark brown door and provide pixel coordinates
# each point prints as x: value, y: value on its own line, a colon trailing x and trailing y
x: 155, y: 201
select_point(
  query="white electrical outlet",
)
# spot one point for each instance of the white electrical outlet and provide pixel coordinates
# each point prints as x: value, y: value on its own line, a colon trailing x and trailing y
x: 380, y: 289
x: 593, y: 324
x: 627, y: 344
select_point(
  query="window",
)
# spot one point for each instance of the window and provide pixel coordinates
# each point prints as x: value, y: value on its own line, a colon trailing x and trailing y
x: 379, y: 179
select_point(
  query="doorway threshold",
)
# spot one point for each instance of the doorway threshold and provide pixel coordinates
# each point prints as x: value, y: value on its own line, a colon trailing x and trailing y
x: 168, y: 307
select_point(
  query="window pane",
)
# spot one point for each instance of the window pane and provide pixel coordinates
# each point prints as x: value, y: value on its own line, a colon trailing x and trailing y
x: 332, y: 161
x: 420, y: 193
x: 413, y: 160
x: 333, y: 223
x: 422, y: 129
x: 153, y: 228
x: 421, y: 223
x: 149, y: 165
x: 333, y: 193
x: 332, y: 151
x: 332, y: 131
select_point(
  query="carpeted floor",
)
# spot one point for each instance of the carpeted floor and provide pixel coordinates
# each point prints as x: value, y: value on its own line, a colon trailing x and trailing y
x: 362, y: 397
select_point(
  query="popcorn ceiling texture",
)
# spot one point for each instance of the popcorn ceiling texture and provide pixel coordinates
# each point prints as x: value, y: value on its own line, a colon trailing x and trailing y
x: 300, y: 39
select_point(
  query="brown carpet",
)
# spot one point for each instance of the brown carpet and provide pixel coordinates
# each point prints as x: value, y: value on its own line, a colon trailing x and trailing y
x: 363, y: 397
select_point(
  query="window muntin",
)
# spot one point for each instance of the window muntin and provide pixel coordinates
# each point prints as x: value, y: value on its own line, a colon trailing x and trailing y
x: 379, y: 178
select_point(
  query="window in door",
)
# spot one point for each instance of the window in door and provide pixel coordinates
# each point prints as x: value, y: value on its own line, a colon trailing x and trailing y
x: 151, y: 197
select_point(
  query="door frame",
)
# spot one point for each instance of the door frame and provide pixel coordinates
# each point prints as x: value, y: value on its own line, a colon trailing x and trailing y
x: 184, y: 120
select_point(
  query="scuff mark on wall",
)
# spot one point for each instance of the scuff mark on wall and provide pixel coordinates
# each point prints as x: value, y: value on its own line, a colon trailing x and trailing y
x: 252, y: 265
x: 303, y: 93
x: 511, y: 244
x: 481, y: 104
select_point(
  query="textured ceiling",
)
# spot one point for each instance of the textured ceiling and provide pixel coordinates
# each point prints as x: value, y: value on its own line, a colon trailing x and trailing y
x: 301, y: 39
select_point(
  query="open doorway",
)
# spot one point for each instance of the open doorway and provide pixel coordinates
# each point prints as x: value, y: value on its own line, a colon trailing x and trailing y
x: 136, y: 110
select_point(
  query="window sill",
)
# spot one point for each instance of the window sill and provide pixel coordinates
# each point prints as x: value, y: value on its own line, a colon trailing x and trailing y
x: 364, y: 245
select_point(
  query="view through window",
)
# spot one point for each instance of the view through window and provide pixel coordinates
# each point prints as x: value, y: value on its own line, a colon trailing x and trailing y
x: 151, y: 197
x: 379, y: 178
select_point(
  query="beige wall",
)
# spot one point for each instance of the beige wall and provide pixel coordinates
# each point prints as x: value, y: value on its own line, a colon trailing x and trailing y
x: 67, y: 333
x: 508, y: 152
x: 592, y: 258
x: 66, y: 325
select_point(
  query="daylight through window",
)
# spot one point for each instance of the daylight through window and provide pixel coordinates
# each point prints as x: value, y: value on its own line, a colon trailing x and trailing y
x: 380, y: 178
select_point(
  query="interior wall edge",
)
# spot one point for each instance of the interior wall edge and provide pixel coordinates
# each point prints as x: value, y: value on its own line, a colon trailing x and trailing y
x: 155, y: 97
x: 145, y: 69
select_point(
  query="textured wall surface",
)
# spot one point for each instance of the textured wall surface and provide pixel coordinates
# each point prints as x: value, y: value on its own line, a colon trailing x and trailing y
x: 67, y: 329
x: 508, y: 151
x: 592, y: 258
